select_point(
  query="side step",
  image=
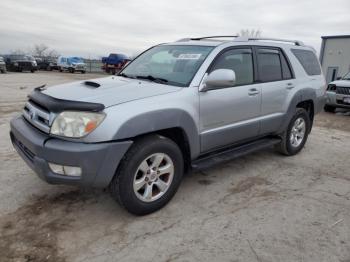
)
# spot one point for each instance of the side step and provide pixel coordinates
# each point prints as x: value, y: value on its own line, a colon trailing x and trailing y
x: 232, y: 153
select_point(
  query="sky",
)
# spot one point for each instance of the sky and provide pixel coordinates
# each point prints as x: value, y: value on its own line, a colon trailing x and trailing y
x: 96, y: 28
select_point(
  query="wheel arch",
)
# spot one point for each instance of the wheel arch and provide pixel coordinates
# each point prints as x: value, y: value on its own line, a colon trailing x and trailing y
x: 176, y: 124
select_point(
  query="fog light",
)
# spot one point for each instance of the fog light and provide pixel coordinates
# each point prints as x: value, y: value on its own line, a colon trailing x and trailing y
x: 65, y: 170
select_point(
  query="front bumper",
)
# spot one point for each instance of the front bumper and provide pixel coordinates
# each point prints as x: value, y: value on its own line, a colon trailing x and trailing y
x: 336, y: 100
x: 98, y: 161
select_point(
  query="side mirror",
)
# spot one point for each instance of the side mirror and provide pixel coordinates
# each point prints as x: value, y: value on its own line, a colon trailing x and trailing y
x: 220, y: 78
x: 339, y: 78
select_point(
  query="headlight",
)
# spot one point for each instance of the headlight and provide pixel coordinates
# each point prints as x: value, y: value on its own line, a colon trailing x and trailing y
x: 15, y: 64
x: 76, y: 124
x: 34, y: 63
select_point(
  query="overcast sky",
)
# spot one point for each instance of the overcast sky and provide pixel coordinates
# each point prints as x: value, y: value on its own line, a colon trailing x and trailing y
x: 96, y: 28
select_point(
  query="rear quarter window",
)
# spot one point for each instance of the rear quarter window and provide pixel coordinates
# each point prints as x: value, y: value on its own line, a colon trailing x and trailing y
x: 308, y: 60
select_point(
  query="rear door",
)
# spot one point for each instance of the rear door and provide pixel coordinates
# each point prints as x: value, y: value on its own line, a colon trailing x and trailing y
x: 230, y: 115
x: 277, y: 80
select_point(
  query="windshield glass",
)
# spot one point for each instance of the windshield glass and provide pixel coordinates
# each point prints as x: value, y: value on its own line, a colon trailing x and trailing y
x: 347, y: 76
x: 75, y: 60
x: 18, y: 58
x: 172, y: 64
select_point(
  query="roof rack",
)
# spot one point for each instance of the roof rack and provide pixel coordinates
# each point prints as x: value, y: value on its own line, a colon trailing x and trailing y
x: 242, y: 38
x: 206, y: 37
x: 296, y: 42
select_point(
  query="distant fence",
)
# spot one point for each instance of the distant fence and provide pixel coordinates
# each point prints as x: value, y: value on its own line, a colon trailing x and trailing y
x: 93, y: 65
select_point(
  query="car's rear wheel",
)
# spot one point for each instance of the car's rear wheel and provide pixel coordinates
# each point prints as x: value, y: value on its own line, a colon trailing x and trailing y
x: 330, y: 109
x: 149, y: 175
x: 294, y: 138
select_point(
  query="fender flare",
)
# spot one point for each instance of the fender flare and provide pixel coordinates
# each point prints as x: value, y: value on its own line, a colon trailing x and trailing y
x: 150, y: 122
x: 300, y: 96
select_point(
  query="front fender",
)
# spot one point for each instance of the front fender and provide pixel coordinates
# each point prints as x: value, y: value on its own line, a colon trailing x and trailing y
x: 158, y: 120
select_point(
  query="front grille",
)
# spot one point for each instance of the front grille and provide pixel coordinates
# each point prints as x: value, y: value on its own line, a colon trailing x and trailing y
x: 38, y: 116
x: 343, y: 90
x: 25, y: 64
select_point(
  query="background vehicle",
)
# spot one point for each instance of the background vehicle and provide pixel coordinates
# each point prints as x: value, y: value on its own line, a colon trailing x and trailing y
x: 71, y: 64
x: 338, y: 94
x: 46, y: 63
x: 189, y: 104
x: 2, y: 65
x: 19, y: 63
x: 114, y: 63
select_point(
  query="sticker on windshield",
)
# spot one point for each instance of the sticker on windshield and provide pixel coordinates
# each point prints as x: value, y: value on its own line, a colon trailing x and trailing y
x: 189, y: 56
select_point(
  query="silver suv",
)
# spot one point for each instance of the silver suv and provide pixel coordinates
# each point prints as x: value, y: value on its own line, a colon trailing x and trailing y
x: 338, y: 94
x: 176, y: 107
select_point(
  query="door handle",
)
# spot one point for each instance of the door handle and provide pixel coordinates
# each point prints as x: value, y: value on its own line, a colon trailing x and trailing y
x: 290, y: 86
x: 253, y: 92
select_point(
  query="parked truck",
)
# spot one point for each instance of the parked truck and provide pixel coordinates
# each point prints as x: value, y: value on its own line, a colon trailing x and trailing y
x: 114, y: 63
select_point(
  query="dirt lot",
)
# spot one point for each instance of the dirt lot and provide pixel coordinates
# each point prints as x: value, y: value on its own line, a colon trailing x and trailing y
x: 262, y: 207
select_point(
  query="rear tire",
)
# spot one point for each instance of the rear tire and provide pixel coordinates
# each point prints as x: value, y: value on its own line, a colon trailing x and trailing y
x: 137, y: 169
x: 330, y: 109
x: 294, y: 138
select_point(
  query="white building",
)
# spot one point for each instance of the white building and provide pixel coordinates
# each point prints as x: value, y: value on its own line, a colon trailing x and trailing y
x: 335, y: 56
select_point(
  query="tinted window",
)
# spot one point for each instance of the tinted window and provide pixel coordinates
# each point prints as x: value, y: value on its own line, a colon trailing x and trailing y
x: 286, y: 72
x: 269, y: 63
x: 238, y: 60
x: 308, y: 60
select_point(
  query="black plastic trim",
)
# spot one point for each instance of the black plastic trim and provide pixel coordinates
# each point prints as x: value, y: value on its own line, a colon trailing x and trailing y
x: 58, y: 105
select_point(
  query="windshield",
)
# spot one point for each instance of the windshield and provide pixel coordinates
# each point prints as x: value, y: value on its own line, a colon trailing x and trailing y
x: 172, y: 64
x: 75, y: 60
x: 347, y: 76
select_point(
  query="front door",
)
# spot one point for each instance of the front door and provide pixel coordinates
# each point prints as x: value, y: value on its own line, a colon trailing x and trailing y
x: 229, y: 115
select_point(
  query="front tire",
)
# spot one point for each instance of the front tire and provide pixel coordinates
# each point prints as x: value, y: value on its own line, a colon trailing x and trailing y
x: 294, y: 138
x: 149, y: 175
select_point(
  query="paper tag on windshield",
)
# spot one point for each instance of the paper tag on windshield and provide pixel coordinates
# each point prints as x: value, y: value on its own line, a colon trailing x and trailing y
x: 189, y: 56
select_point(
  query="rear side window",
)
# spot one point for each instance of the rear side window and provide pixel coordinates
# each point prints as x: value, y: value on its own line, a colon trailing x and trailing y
x: 269, y: 64
x: 238, y: 60
x: 308, y: 60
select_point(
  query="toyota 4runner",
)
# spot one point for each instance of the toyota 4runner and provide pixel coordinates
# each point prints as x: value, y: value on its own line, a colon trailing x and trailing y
x: 182, y: 105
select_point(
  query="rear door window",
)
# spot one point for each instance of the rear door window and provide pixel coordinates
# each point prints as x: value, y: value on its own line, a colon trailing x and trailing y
x: 269, y: 65
x: 273, y: 65
x: 308, y: 60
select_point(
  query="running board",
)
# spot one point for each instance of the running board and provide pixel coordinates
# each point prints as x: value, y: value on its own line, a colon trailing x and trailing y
x: 232, y: 153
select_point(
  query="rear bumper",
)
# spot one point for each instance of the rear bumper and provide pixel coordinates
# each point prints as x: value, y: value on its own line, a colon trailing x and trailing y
x: 336, y: 100
x: 98, y: 161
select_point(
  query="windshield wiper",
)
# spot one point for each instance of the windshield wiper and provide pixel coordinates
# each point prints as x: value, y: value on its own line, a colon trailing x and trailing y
x: 127, y: 76
x: 153, y: 79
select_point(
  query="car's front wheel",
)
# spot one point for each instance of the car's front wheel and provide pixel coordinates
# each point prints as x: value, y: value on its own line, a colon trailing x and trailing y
x: 294, y: 138
x: 149, y: 175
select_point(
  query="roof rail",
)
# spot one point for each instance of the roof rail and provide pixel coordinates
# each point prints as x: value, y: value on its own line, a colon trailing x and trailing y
x: 206, y: 37
x: 243, y: 38
x: 296, y: 42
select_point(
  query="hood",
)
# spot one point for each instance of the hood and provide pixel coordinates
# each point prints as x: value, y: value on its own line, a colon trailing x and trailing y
x: 342, y: 83
x: 110, y: 91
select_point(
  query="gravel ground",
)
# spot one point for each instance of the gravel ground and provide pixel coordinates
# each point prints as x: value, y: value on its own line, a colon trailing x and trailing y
x: 262, y: 207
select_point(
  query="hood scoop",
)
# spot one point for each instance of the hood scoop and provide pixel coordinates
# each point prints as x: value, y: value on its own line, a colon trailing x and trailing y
x: 92, y: 84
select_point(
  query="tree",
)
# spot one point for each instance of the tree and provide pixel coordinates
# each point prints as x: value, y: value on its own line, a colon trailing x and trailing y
x: 42, y: 50
x: 255, y: 33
